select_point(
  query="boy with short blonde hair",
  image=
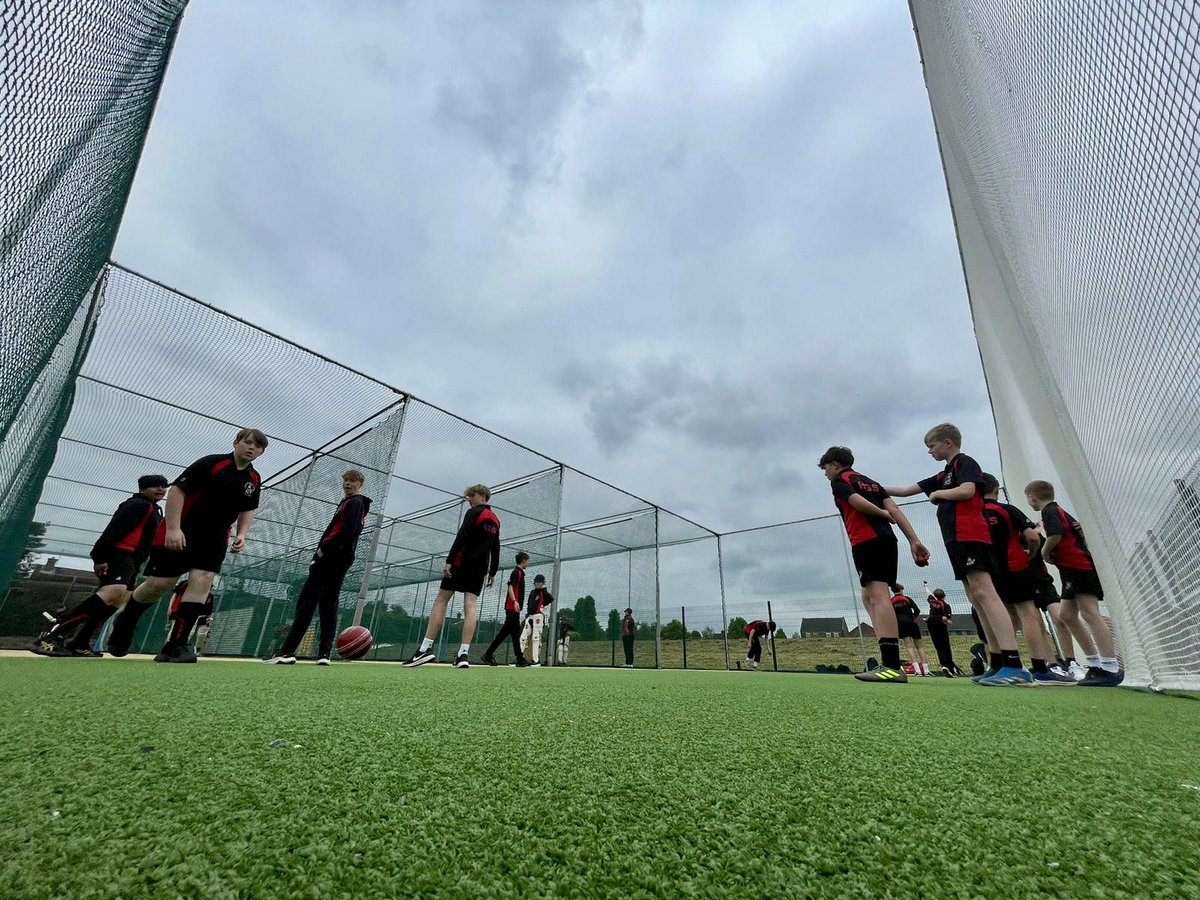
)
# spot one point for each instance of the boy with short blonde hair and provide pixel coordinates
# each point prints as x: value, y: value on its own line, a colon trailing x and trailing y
x: 957, y: 491
x: 1082, y: 592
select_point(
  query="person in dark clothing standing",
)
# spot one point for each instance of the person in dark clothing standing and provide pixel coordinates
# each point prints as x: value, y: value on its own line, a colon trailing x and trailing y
x: 330, y: 563
x: 755, y: 632
x: 628, y: 629
x: 117, y: 558
x: 908, y: 629
x: 473, y: 559
x: 937, y: 623
x: 512, y: 615
x: 535, y: 619
x: 207, y: 499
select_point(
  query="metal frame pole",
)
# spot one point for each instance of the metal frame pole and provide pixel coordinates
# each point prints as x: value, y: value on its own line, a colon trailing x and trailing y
x: 724, y: 612
x: 368, y: 568
x: 774, y: 655
x: 658, y: 664
x: 683, y: 616
x: 291, y: 537
x: 556, y: 575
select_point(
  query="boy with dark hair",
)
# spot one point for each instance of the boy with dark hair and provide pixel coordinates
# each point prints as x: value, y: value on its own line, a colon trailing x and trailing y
x: 755, y: 632
x: 937, y: 623
x: 909, y: 631
x: 1014, y: 540
x: 474, y: 558
x: 117, y: 558
x: 330, y: 563
x: 1082, y: 592
x: 868, y: 514
x: 512, y: 615
x: 535, y: 619
x: 628, y: 631
x: 956, y: 491
x: 204, y: 502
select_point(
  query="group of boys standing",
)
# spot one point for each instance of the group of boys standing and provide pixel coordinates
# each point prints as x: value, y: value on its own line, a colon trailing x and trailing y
x: 994, y: 550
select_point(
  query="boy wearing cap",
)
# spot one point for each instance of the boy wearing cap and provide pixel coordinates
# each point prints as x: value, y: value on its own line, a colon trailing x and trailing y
x: 535, y: 619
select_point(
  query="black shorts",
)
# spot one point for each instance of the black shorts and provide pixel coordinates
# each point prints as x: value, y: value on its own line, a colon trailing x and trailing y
x: 970, y: 556
x: 1045, y: 593
x: 1015, y: 587
x: 876, y: 560
x: 464, y: 582
x: 908, y: 628
x: 1080, y: 581
x: 122, y: 569
x: 204, y: 555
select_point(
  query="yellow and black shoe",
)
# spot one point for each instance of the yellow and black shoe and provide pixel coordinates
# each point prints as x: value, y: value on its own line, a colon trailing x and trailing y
x: 883, y: 673
x: 48, y: 644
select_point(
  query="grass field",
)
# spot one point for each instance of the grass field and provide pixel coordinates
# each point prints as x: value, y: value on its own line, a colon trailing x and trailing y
x: 581, y: 783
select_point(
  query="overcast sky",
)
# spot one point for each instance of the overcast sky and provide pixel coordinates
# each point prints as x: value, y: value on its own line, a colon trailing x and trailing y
x: 681, y: 246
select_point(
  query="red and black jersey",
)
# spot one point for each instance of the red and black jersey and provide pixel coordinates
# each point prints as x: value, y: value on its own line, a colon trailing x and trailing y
x: 757, y: 627
x: 131, y: 530
x: 215, y: 492
x: 1007, y: 524
x: 905, y: 607
x: 342, y: 533
x: 539, y: 599
x: 860, y: 528
x: 938, y: 609
x: 960, y: 520
x: 476, y: 547
x: 1071, y: 551
x: 516, y: 583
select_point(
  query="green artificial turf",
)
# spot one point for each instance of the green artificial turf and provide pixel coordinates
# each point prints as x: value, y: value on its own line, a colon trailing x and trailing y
x: 572, y: 782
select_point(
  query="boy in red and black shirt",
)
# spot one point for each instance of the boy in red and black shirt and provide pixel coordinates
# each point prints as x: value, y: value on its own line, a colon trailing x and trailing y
x: 755, y: 632
x: 473, y: 558
x: 535, y: 619
x: 117, y: 559
x: 1015, y: 540
x: 937, y: 623
x: 868, y: 513
x: 907, y: 612
x: 1082, y: 592
x: 512, y: 615
x: 205, y: 501
x: 330, y: 563
x: 956, y: 491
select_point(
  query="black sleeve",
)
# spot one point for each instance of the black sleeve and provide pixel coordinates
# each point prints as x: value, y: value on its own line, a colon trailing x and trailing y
x: 930, y: 484
x: 352, y: 525
x: 251, y: 501
x: 195, y: 476
x: 841, y: 490
x: 1020, y: 520
x: 549, y: 598
x: 513, y: 578
x: 967, y: 471
x: 127, y: 517
x: 464, y: 532
x: 1051, y: 522
x: 495, y: 554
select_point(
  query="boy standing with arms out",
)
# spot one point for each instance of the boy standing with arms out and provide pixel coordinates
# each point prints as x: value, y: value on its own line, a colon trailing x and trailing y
x: 1082, y: 592
x: 868, y: 513
x: 956, y: 491
x: 473, y: 558
x: 535, y: 619
x: 330, y: 563
x: 1015, y: 540
x: 204, y: 502
x: 117, y: 558
x: 512, y: 615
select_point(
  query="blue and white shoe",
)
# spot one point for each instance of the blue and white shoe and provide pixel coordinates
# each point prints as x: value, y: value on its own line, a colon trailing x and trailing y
x: 1054, y: 677
x: 1009, y: 675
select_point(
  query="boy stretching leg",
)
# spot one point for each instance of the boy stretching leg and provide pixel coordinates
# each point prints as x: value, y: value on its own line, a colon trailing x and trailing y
x: 956, y: 491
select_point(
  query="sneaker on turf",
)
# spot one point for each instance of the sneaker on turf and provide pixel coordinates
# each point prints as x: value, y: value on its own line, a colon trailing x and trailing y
x: 1009, y: 675
x: 883, y: 673
x: 987, y: 673
x: 489, y: 660
x: 282, y: 659
x: 420, y: 658
x: 522, y: 664
x: 323, y: 661
x: 1097, y: 677
x: 48, y: 644
x: 535, y: 665
x: 947, y: 672
x: 176, y: 654
x: 1076, y: 671
x: 84, y: 652
x: 461, y: 661
x: 1054, y: 677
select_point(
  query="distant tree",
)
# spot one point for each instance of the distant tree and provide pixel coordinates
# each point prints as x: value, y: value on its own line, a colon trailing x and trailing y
x: 737, y: 625
x: 708, y: 632
x: 780, y: 635
x: 694, y: 635
x: 673, y: 631
x: 33, y: 543
x: 614, y: 625
x: 587, y: 628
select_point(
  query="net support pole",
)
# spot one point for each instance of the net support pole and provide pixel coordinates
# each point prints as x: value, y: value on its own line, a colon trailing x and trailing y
x: 556, y: 575
x: 291, y: 537
x: 368, y: 567
x: 657, y: 600
x: 683, y: 616
x: 724, y: 614
x: 774, y: 655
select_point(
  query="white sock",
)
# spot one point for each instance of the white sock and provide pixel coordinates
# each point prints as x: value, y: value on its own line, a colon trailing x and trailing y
x: 463, y: 649
x: 426, y: 644
x: 1109, y: 664
x: 1093, y: 662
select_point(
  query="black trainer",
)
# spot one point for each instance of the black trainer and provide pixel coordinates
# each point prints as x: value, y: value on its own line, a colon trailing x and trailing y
x: 461, y: 661
x: 48, y: 644
x: 420, y: 658
x: 490, y: 660
x: 882, y: 674
x: 522, y: 664
x: 177, y: 654
x: 1097, y: 677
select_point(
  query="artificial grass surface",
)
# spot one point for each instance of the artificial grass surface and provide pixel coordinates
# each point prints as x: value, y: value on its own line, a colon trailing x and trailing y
x: 569, y: 782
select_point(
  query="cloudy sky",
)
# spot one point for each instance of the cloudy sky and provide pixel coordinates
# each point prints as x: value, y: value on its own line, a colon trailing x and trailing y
x: 681, y: 246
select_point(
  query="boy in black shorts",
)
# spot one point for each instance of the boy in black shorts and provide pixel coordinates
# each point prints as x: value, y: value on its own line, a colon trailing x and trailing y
x: 1047, y: 600
x: 868, y: 513
x: 1015, y: 540
x: 909, y: 631
x: 332, y: 560
x: 513, y: 598
x: 956, y: 491
x: 1082, y: 592
x: 117, y: 559
x: 937, y: 623
x: 755, y: 632
x: 203, y: 504
x: 473, y: 558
